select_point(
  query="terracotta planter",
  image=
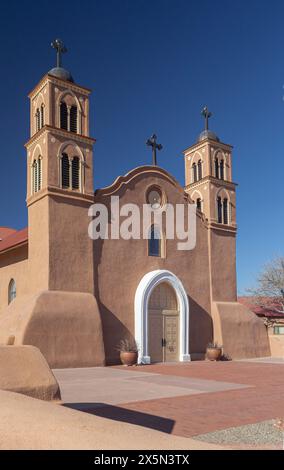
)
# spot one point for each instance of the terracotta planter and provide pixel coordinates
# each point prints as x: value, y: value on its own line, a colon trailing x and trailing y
x: 128, y: 358
x: 213, y: 354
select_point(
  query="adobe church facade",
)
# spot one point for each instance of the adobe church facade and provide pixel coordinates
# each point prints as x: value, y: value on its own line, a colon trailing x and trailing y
x: 76, y: 298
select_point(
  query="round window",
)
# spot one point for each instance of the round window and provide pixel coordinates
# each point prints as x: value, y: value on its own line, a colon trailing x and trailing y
x: 154, y: 198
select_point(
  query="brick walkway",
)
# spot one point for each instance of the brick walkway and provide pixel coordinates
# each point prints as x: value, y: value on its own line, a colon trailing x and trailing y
x: 195, y: 414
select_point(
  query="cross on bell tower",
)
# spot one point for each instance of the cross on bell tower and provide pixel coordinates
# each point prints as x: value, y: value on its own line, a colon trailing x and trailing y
x: 60, y: 48
x: 206, y: 114
x: 152, y: 142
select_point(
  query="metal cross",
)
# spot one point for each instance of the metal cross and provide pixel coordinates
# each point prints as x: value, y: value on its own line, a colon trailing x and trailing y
x: 206, y: 114
x: 60, y: 49
x: 152, y: 142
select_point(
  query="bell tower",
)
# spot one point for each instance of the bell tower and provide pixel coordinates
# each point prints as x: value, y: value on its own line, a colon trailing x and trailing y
x: 208, y: 181
x: 60, y: 181
x: 208, y: 177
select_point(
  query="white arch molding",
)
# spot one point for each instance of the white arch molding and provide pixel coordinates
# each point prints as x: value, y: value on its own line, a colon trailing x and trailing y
x: 142, y: 296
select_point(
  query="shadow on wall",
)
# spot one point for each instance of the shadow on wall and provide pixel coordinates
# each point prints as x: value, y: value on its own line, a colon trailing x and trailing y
x: 110, y: 322
x: 125, y: 415
x: 200, y: 329
x: 119, y: 331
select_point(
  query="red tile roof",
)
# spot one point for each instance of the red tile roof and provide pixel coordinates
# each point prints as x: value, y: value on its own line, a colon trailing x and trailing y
x: 250, y: 303
x: 12, y: 239
x: 5, y: 232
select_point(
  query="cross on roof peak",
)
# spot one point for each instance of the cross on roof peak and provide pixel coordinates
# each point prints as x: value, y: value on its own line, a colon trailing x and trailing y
x: 152, y: 142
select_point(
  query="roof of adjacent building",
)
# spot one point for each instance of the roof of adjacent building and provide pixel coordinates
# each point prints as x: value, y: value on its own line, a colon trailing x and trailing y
x: 11, y: 238
x: 249, y: 302
x: 5, y: 232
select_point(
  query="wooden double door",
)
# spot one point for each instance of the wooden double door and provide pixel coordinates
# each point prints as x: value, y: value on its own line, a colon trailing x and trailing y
x: 163, y: 325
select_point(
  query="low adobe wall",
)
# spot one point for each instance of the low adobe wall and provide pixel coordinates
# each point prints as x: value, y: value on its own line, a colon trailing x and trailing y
x: 65, y: 326
x: 276, y: 345
x: 241, y: 333
x: 23, y: 369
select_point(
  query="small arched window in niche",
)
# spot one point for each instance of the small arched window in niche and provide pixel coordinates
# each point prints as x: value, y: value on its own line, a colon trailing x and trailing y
x: 199, y: 165
x: 222, y: 170
x: 194, y: 173
x: 216, y: 168
x: 225, y: 211
x: 37, y: 118
x: 65, y: 171
x: 154, y: 242
x: 42, y: 116
x: 63, y: 116
x: 76, y: 173
x: 219, y: 209
x: 198, y: 203
x: 36, y: 175
x: 12, y: 291
x: 73, y: 119
x: 39, y: 176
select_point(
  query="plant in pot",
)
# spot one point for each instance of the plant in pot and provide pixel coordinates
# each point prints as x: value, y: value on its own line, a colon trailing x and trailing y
x: 128, y: 350
x: 213, y: 351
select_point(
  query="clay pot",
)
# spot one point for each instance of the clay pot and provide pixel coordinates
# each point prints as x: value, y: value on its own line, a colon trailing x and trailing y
x: 129, y: 358
x: 213, y: 354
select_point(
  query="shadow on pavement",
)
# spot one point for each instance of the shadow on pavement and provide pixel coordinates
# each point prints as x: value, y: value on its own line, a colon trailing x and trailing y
x: 123, y: 414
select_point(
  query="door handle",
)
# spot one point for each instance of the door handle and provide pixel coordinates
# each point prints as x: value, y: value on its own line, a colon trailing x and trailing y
x: 163, y: 342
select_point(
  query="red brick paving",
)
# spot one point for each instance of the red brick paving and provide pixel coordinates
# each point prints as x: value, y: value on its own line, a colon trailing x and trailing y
x: 198, y: 414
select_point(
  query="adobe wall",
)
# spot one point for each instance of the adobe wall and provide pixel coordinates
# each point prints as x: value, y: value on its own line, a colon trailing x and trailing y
x: 14, y: 265
x: 241, y: 333
x: 70, y: 248
x: 223, y: 265
x: 23, y: 369
x: 120, y: 266
x: 64, y: 326
x: 276, y: 344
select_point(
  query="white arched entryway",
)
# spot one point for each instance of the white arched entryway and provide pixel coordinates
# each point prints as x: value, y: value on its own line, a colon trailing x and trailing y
x: 143, y: 293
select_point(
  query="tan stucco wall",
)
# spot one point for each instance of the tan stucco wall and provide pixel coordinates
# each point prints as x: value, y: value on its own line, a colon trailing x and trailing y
x: 23, y: 369
x: 39, y: 223
x: 276, y: 345
x: 65, y: 326
x: 120, y: 266
x: 241, y: 333
x: 223, y: 265
x: 14, y: 265
x: 70, y: 248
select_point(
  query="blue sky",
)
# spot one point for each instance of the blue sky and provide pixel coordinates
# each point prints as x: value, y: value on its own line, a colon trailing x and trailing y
x: 152, y: 65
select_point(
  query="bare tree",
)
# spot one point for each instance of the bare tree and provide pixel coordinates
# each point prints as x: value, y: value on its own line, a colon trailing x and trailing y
x: 269, y: 293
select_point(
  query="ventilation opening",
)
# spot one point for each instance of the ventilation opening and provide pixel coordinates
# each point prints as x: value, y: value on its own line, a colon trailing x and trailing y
x: 37, y: 120
x: 76, y: 173
x: 73, y: 119
x: 225, y: 210
x: 65, y: 171
x: 63, y: 116
x: 219, y: 203
x: 42, y: 116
